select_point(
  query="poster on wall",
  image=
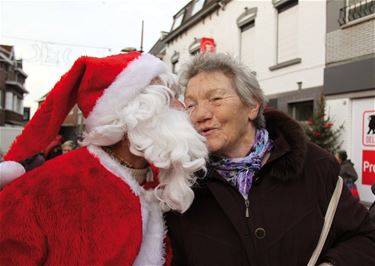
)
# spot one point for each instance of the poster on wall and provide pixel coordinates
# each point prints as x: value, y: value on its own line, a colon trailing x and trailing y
x: 368, y: 167
x: 368, y: 140
x: 363, y: 145
x: 207, y: 45
x: 368, y: 128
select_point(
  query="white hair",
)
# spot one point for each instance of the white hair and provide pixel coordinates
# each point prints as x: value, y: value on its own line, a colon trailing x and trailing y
x: 108, y: 127
x: 165, y: 137
x: 162, y: 135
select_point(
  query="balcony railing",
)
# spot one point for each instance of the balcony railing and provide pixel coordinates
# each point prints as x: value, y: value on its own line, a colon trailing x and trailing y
x: 356, y: 9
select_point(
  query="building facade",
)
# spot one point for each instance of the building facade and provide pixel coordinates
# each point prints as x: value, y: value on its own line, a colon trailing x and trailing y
x: 282, y: 41
x: 298, y: 49
x: 12, y: 89
x: 349, y: 82
x: 13, y: 115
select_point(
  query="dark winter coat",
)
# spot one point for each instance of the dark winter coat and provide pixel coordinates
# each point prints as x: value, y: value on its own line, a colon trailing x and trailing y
x: 372, y: 212
x: 347, y: 172
x: 286, y: 208
x: 372, y: 208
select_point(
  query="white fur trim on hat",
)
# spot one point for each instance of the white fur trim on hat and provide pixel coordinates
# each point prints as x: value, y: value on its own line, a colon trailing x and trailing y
x: 10, y: 170
x: 127, y: 85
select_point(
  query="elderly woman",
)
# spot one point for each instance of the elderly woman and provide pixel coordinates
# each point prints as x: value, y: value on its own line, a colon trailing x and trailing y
x: 266, y: 191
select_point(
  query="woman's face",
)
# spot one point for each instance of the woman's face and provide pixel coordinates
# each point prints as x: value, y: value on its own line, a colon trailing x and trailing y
x: 66, y: 148
x: 219, y: 115
x: 338, y: 157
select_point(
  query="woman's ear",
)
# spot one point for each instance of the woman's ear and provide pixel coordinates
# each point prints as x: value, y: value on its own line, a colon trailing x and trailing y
x: 253, y: 111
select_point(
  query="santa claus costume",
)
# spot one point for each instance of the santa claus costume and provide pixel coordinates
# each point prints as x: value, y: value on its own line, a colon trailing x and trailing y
x: 85, y: 207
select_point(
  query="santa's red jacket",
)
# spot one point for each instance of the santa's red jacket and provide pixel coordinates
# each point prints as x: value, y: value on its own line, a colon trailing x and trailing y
x: 82, y: 208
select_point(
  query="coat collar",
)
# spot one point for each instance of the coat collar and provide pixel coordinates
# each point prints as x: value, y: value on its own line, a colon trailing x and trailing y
x: 290, y: 145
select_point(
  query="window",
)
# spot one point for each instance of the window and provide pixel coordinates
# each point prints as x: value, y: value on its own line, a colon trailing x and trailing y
x: 19, y: 105
x: 198, y: 4
x: 287, y: 31
x: 356, y: 9
x: 246, y: 24
x: 194, y: 47
x: 177, y: 20
x: 15, y: 103
x: 247, y: 18
x: 272, y: 103
x: 174, y: 60
x: 196, y: 52
x: 248, y: 46
x: 301, y: 111
x: 175, y: 67
x: 9, y: 100
x: 26, y: 113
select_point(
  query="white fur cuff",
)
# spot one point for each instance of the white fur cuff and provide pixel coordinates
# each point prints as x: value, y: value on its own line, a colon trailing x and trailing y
x: 10, y: 170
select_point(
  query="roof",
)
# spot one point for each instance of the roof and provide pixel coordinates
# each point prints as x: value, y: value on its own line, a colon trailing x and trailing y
x: 16, y: 84
x: 189, y: 19
x: 7, y: 48
x: 43, y: 98
x: 159, y: 46
x: 7, y: 51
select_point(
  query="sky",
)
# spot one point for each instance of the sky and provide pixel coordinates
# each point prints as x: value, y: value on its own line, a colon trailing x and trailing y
x: 50, y: 35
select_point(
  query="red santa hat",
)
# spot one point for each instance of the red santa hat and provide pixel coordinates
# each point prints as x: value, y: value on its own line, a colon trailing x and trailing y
x: 100, y: 87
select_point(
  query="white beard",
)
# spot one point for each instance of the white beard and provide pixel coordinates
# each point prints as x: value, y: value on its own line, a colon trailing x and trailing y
x: 165, y: 137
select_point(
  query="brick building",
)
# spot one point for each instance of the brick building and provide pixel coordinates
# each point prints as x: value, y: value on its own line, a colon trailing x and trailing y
x: 13, y: 115
x: 12, y: 89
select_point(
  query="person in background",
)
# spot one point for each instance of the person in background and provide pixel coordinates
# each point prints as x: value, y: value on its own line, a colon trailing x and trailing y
x: 102, y: 204
x: 372, y: 208
x: 53, y: 149
x: 68, y: 146
x: 267, y: 188
x: 347, y: 172
x: 33, y: 162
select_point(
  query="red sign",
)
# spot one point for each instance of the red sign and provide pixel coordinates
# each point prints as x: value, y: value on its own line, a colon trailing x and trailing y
x: 368, y: 128
x: 368, y: 167
x: 207, y: 45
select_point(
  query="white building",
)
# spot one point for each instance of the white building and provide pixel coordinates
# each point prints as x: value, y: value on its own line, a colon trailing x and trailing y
x: 349, y: 82
x: 288, y: 44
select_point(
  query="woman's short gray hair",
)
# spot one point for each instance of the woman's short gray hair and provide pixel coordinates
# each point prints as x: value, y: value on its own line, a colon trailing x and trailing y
x: 69, y: 143
x: 245, y: 83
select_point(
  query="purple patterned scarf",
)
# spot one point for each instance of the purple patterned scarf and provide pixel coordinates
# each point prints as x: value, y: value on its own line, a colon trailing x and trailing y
x: 240, y: 171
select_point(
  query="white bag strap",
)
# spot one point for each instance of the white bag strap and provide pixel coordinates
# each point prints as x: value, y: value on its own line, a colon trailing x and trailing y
x: 327, y: 222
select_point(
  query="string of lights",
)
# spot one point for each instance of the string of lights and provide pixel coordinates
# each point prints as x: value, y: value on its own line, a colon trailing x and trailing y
x: 56, y: 43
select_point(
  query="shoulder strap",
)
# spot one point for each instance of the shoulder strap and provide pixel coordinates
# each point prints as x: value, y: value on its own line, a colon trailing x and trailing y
x: 327, y: 222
